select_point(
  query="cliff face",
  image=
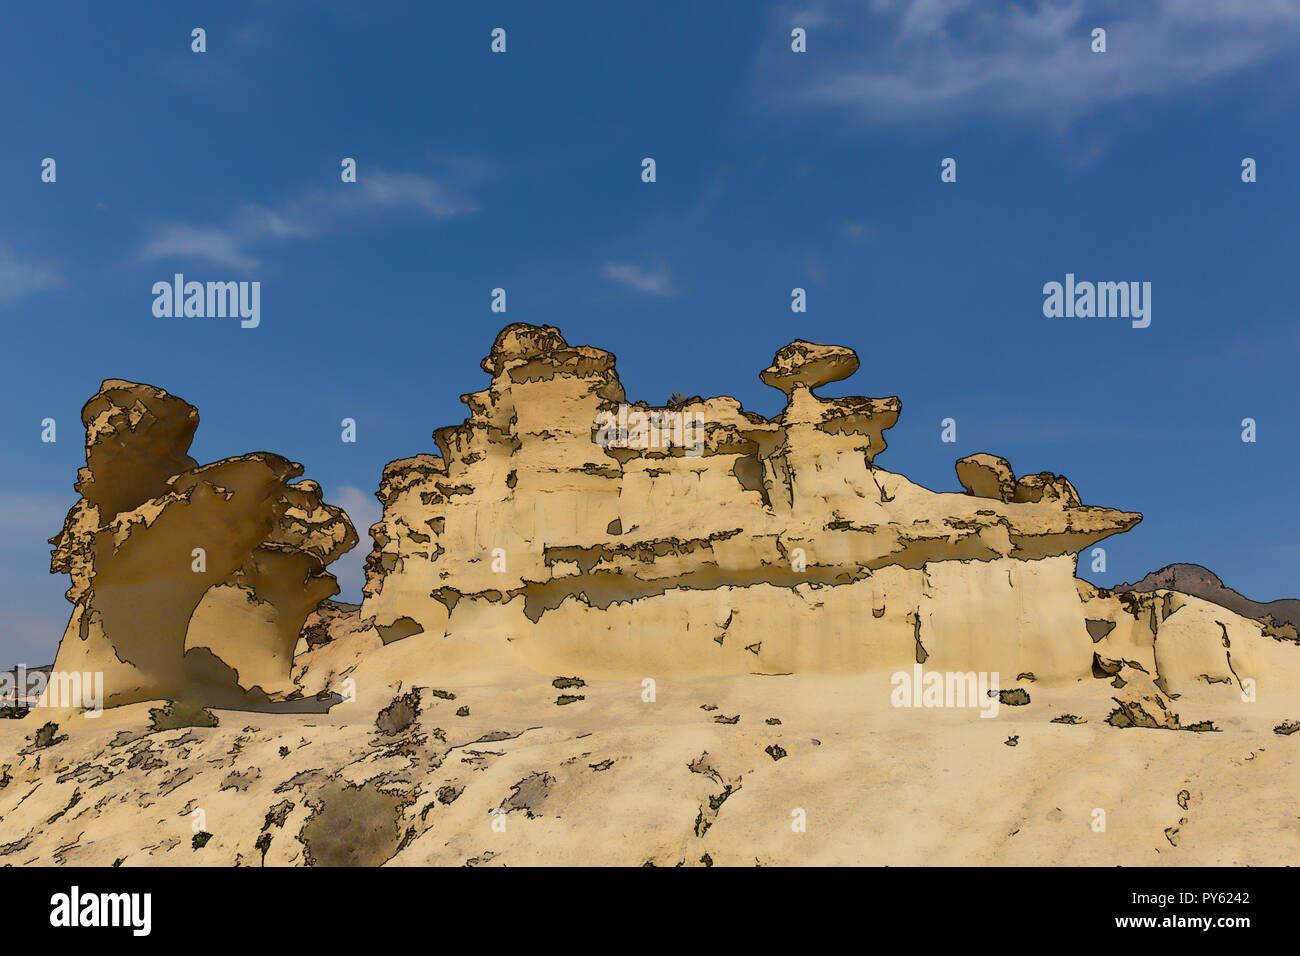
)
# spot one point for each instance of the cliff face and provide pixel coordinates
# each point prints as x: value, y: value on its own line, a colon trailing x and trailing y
x: 562, y: 529
x: 702, y: 538
x: 187, y: 580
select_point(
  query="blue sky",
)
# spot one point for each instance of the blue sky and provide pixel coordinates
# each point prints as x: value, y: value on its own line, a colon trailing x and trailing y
x: 774, y: 170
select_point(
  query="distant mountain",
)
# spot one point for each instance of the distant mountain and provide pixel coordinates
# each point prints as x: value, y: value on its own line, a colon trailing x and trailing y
x: 1205, y: 584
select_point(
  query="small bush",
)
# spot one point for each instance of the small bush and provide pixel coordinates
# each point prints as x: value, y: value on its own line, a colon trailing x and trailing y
x: 181, y: 713
x: 352, y: 826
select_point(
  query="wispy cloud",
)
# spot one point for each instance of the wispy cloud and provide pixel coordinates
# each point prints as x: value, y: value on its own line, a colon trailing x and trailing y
x: 317, y: 213
x: 20, y: 276
x: 895, y: 60
x: 219, y: 246
x: 656, y: 281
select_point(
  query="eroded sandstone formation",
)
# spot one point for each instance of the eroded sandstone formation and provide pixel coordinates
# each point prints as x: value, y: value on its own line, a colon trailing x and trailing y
x: 564, y: 546
x: 702, y: 538
x: 563, y: 528
x: 187, y: 580
x: 988, y: 476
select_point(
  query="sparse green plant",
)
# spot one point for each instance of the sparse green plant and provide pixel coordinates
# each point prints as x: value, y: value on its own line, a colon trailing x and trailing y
x: 181, y: 713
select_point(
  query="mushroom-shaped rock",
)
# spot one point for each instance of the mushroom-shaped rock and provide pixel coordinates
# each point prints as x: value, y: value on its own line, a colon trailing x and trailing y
x: 987, y: 476
x: 138, y: 576
x: 1047, y: 488
x: 808, y: 364
x: 187, y: 581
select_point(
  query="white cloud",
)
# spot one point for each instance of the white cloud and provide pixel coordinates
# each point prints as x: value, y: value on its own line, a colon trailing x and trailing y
x: 895, y: 60
x: 211, y: 244
x: 396, y: 190
x: 363, y: 511
x: 362, y: 506
x: 318, y: 212
x: 21, y: 277
x: 656, y: 282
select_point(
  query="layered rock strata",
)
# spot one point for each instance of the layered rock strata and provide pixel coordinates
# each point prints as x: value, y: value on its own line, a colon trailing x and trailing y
x: 579, y: 529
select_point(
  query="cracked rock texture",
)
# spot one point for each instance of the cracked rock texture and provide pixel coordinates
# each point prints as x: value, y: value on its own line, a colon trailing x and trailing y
x: 187, y: 580
x: 781, y: 546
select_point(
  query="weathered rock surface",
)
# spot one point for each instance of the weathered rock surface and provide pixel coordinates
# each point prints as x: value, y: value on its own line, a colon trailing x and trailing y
x: 317, y: 629
x: 804, y: 364
x: 1046, y: 487
x: 746, y: 544
x: 643, y: 635
x: 187, y: 580
x: 1188, y: 647
x: 987, y: 476
x: 1203, y: 583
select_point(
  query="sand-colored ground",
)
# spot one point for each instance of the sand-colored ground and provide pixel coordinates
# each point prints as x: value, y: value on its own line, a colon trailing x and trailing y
x: 614, y: 779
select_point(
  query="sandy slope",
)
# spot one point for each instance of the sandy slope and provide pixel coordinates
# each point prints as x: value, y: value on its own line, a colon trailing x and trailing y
x: 611, y: 779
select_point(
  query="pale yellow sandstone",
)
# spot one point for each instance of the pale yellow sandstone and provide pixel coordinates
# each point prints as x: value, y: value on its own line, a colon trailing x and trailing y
x: 641, y: 651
